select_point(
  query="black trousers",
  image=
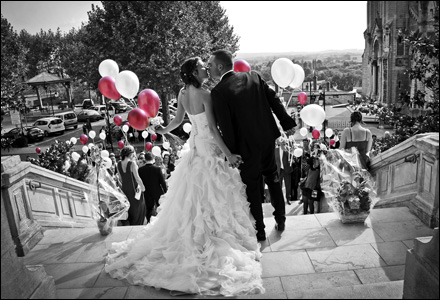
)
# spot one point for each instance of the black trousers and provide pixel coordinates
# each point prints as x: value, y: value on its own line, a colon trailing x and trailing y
x: 149, y: 206
x: 252, y: 170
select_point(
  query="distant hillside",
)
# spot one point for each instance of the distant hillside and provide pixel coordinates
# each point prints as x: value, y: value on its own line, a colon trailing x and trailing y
x: 297, y: 55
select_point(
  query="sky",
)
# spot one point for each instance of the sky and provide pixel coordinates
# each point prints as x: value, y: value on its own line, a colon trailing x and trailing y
x: 263, y: 26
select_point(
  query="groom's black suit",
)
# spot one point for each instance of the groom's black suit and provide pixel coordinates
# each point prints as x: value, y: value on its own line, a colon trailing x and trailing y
x: 243, y: 105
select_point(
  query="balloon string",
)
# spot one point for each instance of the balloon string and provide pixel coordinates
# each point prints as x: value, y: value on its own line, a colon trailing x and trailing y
x: 287, y: 103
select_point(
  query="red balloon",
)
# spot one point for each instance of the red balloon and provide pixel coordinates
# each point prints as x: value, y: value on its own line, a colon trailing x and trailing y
x: 241, y: 66
x: 38, y: 150
x: 148, y: 146
x: 118, y: 120
x: 121, y: 144
x: 154, y: 137
x: 149, y: 102
x: 138, y: 119
x: 83, y: 138
x: 302, y: 98
x: 316, y: 134
x: 332, y: 142
x: 107, y: 87
x: 128, y: 124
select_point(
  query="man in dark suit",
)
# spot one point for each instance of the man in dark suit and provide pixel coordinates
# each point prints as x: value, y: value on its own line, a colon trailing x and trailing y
x: 243, y: 106
x: 154, y: 182
x: 284, y: 168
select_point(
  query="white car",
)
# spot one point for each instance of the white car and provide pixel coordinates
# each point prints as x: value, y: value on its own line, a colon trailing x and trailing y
x: 50, y: 125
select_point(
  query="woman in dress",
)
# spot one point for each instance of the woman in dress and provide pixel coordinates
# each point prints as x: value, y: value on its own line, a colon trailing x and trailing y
x: 129, y: 177
x: 203, y: 240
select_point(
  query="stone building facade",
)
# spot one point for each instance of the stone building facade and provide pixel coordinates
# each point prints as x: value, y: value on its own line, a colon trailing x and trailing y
x: 386, y: 57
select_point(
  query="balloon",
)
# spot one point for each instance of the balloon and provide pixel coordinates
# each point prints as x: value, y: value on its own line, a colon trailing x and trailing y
x: 107, y: 87
x: 241, y: 65
x: 149, y: 102
x: 187, y: 127
x: 75, y: 156
x: 125, y: 128
x: 313, y: 114
x: 106, y: 162
x: 92, y: 134
x: 166, y: 145
x: 316, y: 134
x: 105, y: 153
x: 319, y: 127
x: 102, y: 135
x: 127, y: 84
x: 328, y: 132
x: 145, y: 134
x: 156, y: 150
x: 38, y: 150
x: 302, y: 98
x: 121, y: 144
x: 73, y: 140
x: 332, y: 142
x: 303, y: 131
x: 85, y: 149
x: 283, y: 72
x: 154, y: 137
x: 108, y: 67
x: 298, y: 152
x: 91, y: 145
x: 118, y: 120
x: 127, y: 123
x: 83, y: 138
x: 299, y: 77
x: 148, y: 146
x: 138, y: 119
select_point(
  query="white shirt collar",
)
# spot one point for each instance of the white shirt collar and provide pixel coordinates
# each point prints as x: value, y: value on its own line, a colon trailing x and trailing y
x: 225, y: 74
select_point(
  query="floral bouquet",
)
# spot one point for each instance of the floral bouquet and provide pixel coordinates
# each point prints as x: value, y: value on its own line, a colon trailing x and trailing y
x: 349, y: 188
x: 175, y: 142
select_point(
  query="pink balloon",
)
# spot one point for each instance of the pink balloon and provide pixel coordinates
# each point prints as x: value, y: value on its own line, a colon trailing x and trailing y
x: 241, y: 66
x: 121, y: 144
x: 107, y: 87
x: 154, y: 137
x: 332, y: 142
x: 149, y: 101
x: 316, y: 134
x: 138, y: 119
x: 83, y: 138
x: 118, y: 120
x: 38, y: 150
x: 148, y: 146
x: 127, y: 123
x: 302, y: 98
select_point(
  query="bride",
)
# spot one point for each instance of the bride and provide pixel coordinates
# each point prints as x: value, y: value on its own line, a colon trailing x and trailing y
x: 203, y: 240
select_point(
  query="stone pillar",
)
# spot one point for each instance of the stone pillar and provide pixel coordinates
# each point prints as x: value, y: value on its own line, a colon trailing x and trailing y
x: 421, y: 270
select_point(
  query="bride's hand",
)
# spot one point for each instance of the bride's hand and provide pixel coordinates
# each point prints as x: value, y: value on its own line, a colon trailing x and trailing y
x: 234, y: 160
x: 159, y: 129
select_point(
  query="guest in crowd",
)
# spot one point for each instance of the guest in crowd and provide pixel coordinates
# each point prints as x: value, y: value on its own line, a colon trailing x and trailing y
x: 159, y: 163
x: 311, y: 191
x: 304, y: 165
x: 283, y: 165
x: 295, y: 177
x: 141, y: 159
x: 335, y: 137
x: 172, y: 163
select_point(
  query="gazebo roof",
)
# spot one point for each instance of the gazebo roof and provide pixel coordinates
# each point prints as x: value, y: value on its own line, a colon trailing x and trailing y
x: 45, y: 78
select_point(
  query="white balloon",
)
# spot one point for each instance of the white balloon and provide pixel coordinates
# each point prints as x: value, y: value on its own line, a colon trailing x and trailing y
x: 328, y: 132
x: 299, y: 77
x: 166, y: 145
x: 303, y: 131
x: 108, y: 67
x: 106, y: 162
x: 312, y: 114
x: 144, y: 134
x: 91, y: 145
x: 298, y: 152
x: 92, y: 134
x: 187, y: 127
x: 156, y: 150
x: 105, y: 153
x: 125, y: 128
x: 102, y: 136
x: 165, y: 153
x: 73, y: 140
x: 127, y: 84
x: 319, y: 127
x: 130, y: 134
x: 85, y: 149
x: 283, y: 72
x: 75, y: 156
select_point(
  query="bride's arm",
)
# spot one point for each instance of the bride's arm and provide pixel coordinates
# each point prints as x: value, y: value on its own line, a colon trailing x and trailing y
x: 176, y: 121
x: 212, y: 124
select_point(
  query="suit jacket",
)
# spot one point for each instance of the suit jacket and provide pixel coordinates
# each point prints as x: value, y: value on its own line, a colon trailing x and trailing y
x: 286, y: 164
x: 153, y: 181
x: 243, y: 105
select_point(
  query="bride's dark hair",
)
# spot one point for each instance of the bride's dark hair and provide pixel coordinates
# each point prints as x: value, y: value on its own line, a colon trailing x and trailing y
x: 186, y: 72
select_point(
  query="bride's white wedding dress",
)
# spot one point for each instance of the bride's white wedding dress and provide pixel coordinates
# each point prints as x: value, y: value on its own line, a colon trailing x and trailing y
x: 203, y: 240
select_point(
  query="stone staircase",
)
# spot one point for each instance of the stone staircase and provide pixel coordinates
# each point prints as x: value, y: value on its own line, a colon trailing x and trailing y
x: 315, y: 257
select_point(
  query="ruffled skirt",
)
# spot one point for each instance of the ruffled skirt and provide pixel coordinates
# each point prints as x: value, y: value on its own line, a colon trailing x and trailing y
x: 203, y: 240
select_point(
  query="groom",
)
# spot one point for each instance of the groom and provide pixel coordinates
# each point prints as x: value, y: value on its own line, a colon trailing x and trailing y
x: 244, y: 106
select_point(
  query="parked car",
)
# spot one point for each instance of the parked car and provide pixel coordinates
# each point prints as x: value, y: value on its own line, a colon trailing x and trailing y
x: 120, y: 106
x: 30, y: 132
x: 91, y: 114
x: 50, y: 125
x: 69, y: 118
x: 87, y: 103
x: 101, y: 110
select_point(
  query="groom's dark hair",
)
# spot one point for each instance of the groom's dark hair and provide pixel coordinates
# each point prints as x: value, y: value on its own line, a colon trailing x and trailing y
x: 223, y: 57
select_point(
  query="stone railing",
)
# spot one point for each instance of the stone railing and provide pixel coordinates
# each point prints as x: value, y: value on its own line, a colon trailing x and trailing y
x: 36, y: 199
x: 407, y: 175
